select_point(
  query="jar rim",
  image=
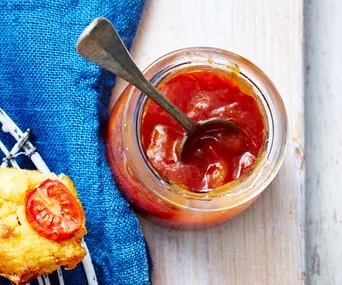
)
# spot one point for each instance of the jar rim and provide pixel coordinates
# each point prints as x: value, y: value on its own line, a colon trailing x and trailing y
x: 239, y: 191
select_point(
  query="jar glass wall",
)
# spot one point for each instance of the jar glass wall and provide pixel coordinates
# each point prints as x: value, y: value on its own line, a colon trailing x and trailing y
x: 170, y: 204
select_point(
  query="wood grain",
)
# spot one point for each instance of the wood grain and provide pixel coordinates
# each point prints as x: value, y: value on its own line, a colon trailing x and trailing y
x: 324, y: 142
x: 264, y: 244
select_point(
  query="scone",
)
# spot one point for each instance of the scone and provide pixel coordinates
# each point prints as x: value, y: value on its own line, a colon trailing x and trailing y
x: 41, y: 224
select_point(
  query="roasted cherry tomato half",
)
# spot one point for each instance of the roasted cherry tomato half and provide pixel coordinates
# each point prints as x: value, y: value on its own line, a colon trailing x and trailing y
x: 53, y: 211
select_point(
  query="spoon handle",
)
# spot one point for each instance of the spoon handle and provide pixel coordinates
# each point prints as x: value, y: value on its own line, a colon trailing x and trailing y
x: 101, y: 44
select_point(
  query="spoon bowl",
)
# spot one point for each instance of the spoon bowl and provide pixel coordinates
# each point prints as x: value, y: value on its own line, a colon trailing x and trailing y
x: 101, y: 44
x: 206, y: 129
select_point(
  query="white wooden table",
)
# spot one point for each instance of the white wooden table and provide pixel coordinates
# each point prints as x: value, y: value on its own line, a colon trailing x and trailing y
x: 264, y: 245
x: 324, y: 142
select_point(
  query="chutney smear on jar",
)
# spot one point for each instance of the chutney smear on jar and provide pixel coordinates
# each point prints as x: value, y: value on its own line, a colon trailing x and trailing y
x: 213, y: 161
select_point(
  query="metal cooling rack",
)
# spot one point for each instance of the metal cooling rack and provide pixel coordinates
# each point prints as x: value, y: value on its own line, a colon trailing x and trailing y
x: 23, y: 147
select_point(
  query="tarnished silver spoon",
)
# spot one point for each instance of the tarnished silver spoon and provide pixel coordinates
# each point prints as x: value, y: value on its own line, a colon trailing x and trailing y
x: 101, y: 44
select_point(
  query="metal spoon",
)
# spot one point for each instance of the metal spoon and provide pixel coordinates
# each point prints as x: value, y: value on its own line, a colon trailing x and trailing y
x: 101, y: 44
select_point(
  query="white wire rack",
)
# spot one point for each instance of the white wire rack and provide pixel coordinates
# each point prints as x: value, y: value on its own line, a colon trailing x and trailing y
x: 24, y: 147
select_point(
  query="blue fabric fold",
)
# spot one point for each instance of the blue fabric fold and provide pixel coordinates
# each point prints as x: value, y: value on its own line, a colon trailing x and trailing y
x: 46, y: 86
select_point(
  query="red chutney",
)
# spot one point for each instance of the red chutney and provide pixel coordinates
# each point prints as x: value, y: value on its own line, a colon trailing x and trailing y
x: 214, y: 161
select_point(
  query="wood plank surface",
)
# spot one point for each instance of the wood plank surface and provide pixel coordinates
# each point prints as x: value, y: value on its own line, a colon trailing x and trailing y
x: 264, y: 245
x: 324, y: 142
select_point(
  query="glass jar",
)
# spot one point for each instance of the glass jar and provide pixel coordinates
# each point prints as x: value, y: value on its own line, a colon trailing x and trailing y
x: 170, y: 204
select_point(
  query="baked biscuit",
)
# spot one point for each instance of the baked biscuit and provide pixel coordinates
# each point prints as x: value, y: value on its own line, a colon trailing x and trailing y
x: 40, y: 229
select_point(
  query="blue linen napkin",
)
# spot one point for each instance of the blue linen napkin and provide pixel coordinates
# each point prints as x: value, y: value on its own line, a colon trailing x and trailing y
x: 46, y: 86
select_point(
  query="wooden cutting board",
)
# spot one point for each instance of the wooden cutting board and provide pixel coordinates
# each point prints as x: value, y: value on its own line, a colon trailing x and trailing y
x: 264, y: 244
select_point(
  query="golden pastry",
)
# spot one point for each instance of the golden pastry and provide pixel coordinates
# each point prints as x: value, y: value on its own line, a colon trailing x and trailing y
x: 41, y: 224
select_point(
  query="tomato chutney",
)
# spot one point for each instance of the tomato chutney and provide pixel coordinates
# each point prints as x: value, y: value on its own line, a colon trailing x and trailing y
x: 222, y: 174
x: 219, y: 158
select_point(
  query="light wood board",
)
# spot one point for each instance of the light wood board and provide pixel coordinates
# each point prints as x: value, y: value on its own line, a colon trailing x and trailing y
x: 324, y: 142
x: 264, y: 245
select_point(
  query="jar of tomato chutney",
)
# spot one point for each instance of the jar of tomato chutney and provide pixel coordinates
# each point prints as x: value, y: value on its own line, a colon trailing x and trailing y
x: 225, y: 172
